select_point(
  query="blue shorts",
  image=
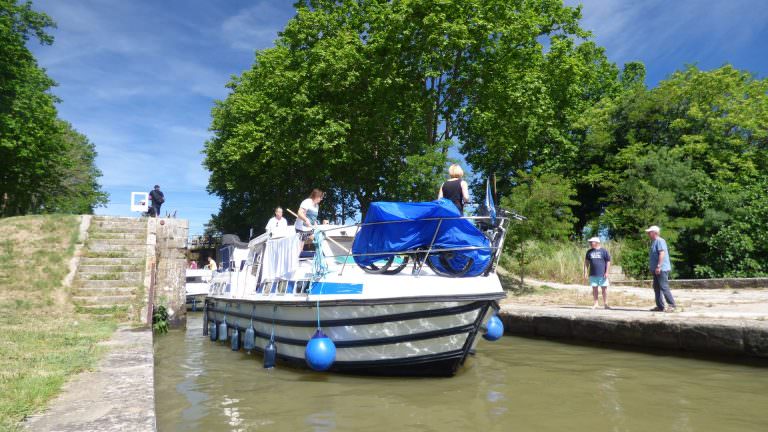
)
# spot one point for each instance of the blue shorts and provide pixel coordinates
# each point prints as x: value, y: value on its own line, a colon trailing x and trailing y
x: 598, y: 281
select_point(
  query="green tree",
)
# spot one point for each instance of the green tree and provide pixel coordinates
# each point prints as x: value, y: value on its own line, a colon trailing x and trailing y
x: 27, y: 112
x: 365, y: 99
x: 45, y: 165
x: 689, y: 155
x: 545, y: 199
x: 76, y: 189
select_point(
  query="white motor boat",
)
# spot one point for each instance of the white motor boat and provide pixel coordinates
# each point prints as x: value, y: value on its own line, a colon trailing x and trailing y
x: 197, y: 285
x: 404, y: 293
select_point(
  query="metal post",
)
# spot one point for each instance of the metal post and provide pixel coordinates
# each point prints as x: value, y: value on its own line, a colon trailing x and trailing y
x: 349, y: 252
x: 426, y: 257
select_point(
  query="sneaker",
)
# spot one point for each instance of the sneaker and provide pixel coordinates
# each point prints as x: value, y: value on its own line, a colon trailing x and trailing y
x: 657, y: 309
x: 594, y: 306
x: 606, y: 307
x: 670, y: 309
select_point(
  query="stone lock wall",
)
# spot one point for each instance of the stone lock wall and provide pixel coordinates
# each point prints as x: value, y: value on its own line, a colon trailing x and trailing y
x: 166, y: 247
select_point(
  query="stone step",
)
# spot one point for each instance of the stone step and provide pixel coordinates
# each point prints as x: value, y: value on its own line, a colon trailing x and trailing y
x: 99, y: 261
x: 125, y: 276
x: 121, y: 311
x: 116, y: 241
x: 118, y: 219
x: 100, y: 292
x: 100, y: 247
x: 87, y: 269
x: 117, y: 230
x: 116, y: 300
x: 106, y: 283
x: 136, y: 254
x: 100, y: 235
x: 109, y: 217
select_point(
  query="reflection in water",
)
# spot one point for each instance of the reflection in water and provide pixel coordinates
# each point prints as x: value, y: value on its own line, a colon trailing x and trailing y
x: 321, y: 421
x: 513, y: 384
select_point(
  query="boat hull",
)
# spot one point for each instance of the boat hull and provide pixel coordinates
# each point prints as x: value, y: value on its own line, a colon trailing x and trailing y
x: 402, y: 337
x: 195, y: 303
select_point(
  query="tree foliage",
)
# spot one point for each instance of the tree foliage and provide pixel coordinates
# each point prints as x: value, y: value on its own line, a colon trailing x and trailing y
x: 45, y: 165
x: 689, y: 155
x: 365, y: 98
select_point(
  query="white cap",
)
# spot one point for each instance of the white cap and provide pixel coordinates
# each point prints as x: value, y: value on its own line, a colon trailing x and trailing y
x: 653, y: 228
x: 594, y: 239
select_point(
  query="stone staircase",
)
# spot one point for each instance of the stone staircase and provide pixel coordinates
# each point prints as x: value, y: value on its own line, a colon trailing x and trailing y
x: 110, y: 275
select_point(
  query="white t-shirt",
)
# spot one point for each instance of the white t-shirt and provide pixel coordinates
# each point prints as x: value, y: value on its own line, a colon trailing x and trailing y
x: 312, y: 209
x: 274, y: 223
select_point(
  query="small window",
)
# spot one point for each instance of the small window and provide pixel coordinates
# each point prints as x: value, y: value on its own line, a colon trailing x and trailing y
x: 302, y: 287
x: 281, y: 287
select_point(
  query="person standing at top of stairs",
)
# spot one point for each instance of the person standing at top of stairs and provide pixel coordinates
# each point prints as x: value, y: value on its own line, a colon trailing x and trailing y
x: 158, y: 198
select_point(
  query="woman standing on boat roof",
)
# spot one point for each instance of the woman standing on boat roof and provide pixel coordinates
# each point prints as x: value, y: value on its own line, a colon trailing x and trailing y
x: 455, y: 189
x: 307, y: 216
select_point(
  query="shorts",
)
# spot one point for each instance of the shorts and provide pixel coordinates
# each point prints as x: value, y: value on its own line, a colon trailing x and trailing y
x: 598, y: 281
x: 304, y: 235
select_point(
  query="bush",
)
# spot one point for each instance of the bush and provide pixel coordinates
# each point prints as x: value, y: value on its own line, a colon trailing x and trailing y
x: 555, y: 261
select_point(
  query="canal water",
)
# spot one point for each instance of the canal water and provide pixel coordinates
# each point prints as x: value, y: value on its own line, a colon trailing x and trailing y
x: 515, y: 384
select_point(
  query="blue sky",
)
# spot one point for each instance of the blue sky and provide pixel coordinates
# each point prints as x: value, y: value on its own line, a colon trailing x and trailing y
x: 139, y: 77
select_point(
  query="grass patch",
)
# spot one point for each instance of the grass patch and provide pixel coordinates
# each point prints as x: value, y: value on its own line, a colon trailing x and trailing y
x: 44, y: 340
x: 556, y: 261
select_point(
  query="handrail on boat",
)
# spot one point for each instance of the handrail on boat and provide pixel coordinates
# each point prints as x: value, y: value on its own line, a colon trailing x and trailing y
x: 430, y: 249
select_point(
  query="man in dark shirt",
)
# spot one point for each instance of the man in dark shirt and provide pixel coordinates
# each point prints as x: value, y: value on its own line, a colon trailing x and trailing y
x: 158, y: 198
x: 597, y: 263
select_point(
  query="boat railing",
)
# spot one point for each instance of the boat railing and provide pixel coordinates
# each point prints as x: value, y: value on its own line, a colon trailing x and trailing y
x: 495, y: 234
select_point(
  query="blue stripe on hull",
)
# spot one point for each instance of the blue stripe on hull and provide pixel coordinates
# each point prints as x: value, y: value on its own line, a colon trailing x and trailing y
x: 330, y: 288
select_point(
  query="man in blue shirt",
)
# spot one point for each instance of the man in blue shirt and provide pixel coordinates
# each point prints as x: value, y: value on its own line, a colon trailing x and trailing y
x: 597, y: 263
x: 658, y: 257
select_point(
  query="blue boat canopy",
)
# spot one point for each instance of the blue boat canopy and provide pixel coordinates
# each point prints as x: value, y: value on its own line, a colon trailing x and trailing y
x: 413, y: 226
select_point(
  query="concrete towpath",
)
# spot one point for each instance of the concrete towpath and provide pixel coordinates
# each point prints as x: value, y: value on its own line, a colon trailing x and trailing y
x: 117, y: 396
x: 718, y: 321
x: 705, y: 303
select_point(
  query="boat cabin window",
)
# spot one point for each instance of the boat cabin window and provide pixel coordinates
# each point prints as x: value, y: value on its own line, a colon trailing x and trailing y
x: 255, y: 257
x: 302, y: 286
x: 225, y: 254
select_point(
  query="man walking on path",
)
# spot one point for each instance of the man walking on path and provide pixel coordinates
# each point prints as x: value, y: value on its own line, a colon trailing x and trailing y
x: 596, y: 266
x: 158, y: 198
x: 658, y: 257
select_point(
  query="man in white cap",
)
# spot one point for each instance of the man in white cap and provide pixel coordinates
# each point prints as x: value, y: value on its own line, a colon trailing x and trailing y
x: 660, y: 266
x: 597, y: 263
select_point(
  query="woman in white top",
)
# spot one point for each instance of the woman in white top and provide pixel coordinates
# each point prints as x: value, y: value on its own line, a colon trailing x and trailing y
x: 277, y: 222
x: 307, y: 216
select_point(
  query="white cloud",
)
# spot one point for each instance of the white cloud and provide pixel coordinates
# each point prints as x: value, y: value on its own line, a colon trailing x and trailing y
x: 658, y: 29
x: 254, y: 27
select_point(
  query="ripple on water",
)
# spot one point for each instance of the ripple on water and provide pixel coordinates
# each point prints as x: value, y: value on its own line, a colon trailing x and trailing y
x: 515, y: 383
